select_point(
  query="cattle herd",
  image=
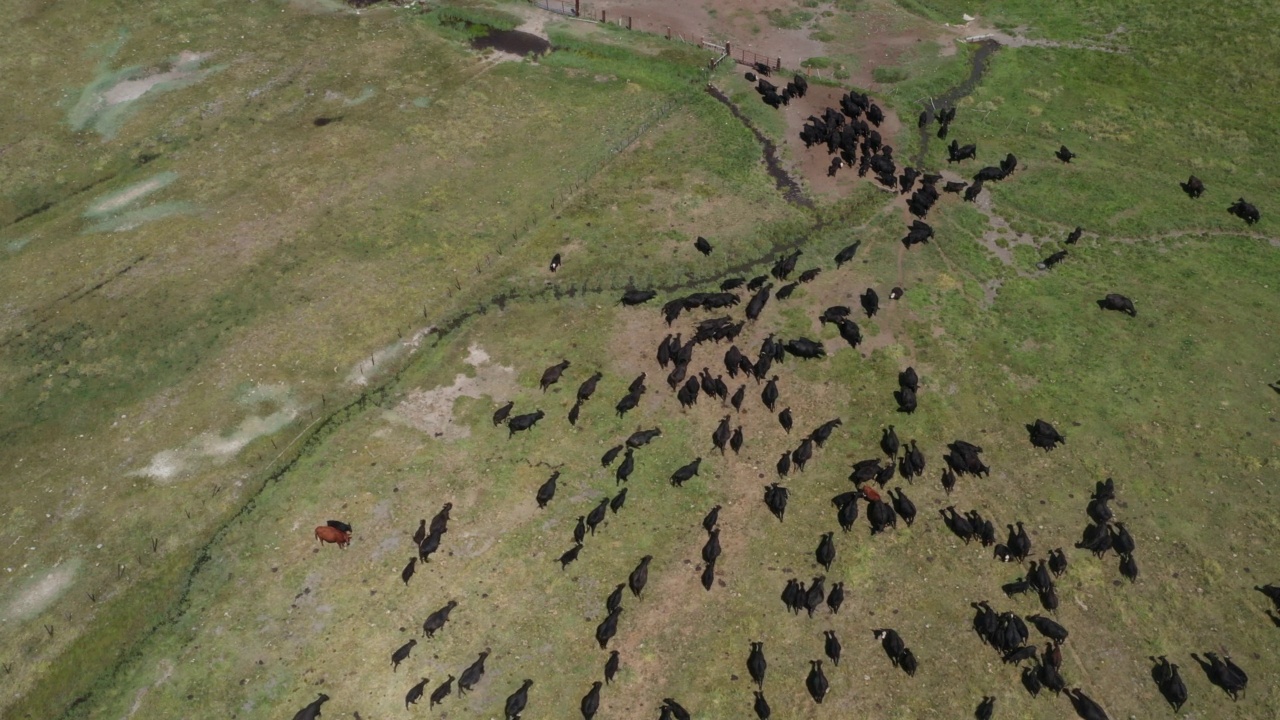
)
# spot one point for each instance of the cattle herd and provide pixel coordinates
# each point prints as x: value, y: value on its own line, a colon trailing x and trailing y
x: 849, y: 133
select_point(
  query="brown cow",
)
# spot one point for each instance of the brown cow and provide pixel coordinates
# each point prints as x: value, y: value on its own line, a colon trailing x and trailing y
x: 326, y: 534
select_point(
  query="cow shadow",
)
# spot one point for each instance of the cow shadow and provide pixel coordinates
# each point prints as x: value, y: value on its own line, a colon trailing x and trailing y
x: 1275, y: 619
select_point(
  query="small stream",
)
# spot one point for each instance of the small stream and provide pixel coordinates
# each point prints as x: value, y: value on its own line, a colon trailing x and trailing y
x: 791, y: 190
x: 986, y: 48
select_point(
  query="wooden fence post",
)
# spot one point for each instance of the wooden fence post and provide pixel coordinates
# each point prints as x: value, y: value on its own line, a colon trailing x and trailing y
x: 668, y: 32
x: 577, y: 8
x: 779, y: 66
x: 628, y: 22
x: 603, y: 16
x: 728, y: 50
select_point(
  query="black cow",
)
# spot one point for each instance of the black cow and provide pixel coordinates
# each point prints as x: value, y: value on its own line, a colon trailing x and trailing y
x: 954, y: 186
x: 756, y: 664
x: 551, y: 375
x: 401, y: 654
x: 972, y: 192
x: 847, y: 253
x: 312, y: 711
x: 1085, y: 706
x: 903, y: 506
x: 826, y: 552
x: 640, y: 576
x: 500, y: 415
x: 1118, y: 302
x: 555, y: 262
x: 520, y: 423
x: 805, y: 348
x: 1170, y: 682
x: 775, y: 498
x: 957, y: 152
x: 761, y: 706
x: 608, y: 628
x: 591, y: 701
x: 919, y: 232
x: 1049, y: 628
x: 1193, y: 187
x: 986, y: 708
x: 810, y: 275
x: 906, y: 398
x: 1245, y: 211
x: 1043, y: 435
x: 611, y: 665
x: 636, y: 297
x: 623, y: 473
x: 834, y: 600
x: 702, y: 245
x: 607, y: 459
x: 1074, y: 237
x: 640, y: 438
x: 570, y: 555
x: 440, y: 693
x: 414, y: 694
x: 1052, y: 260
x: 548, y: 490
x: 891, y: 642
x: 816, y: 682
x: 683, y: 474
x: 517, y: 700
x: 1064, y: 154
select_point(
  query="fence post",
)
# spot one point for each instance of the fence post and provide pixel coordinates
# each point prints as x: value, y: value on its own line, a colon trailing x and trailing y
x: 577, y: 8
x: 628, y: 22
x: 668, y: 32
x: 779, y: 66
x: 603, y: 17
x: 728, y: 50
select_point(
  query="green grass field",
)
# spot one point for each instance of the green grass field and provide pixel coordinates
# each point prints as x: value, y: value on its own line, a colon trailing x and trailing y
x: 214, y: 337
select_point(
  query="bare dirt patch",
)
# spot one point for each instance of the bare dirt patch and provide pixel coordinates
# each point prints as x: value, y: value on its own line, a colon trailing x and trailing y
x: 431, y: 411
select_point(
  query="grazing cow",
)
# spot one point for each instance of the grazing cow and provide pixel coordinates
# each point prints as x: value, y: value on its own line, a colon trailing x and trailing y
x: 906, y: 398
x: 919, y: 232
x: 987, y: 707
x: 955, y: 187
x: 735, y: 442
x: 520, y: 423
x: 1118, y: 302
x: 903, y: 506
x: 637, y: 297
x: 810, y: 275
x: 1169, y: 682
x: 684, y: 473
x: 775, y: 498
x: 1245, y: 211
x: 500, y: 415
x: 972, y: 192
x: 1064, y: 154
x: 1031, y: 679
x: 756, y: 664
x: 907, y: 661
x: 870, y: 302
x: 1052, y: 260
x: 756, y: 305
x: 591, y: 701
x: 1225, y: 674
x: 640, y: 438
x: 989, y: 172
x: 429, y: 545
x: 785, y: 265
x: 738, y: 397
x: 611, y: 666
x: 891, y: 642
x: 570, y: 555
x: 896, y: 293
x: 551, y: 375
x: 708, y: 576
x: 784, y: 464
x: 439, y: 694
x: 1085, y: 706
x: 732, y: 283
x: 761, y: 706
x: 555, y: 262
x: 1074, y: 237
x: 1057, y: 562
x: 676, y: 710
x: 312, y: 710
x: 625, y: 469
x: 548, y: 490
x: 847, y: 253
x: 1043, y: 435
x: 1017, y: 655
x: 1049, y: 628
x: 580, y: 530
x: 720, y: 437
x: 785, y: 291
x: 414, y: 694
x: 608, y: 628
x: 440, y: 522
x: 1129, y: 567
x: 957, y: 523
x: 958, y: 153
x: 326, y: 534
x: 913, y: 462
x: 408, y: 570
x: 401, y: 654
x: 908, y: 379
x: 702, y: 245
x: 517, y: 700
x: 816, y: 682
x: 640, y: 576
x: 1193, y: 187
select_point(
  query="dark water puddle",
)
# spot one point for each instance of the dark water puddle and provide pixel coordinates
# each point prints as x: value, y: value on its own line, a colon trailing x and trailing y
x: 981, y: 58
x: 791, y: 190
x: 515, y: 42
